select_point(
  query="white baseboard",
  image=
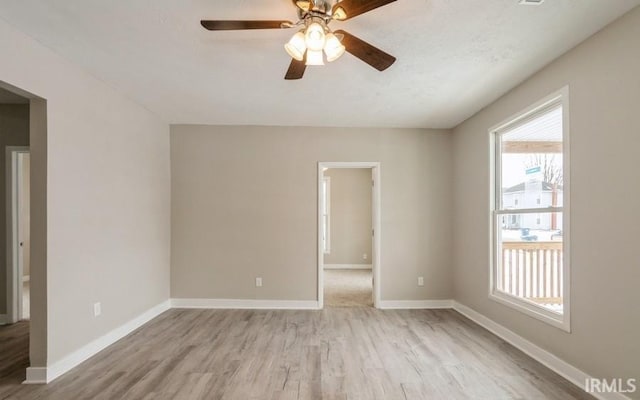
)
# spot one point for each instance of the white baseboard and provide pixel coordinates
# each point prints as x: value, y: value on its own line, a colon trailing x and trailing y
x: 414, y: 304
x: 348, y: 266
x: 561, y: 367
x: 36, y: 375
x: 26, y: 278
x: 48, y: 374
x: 245, y: 304
x: 3, y: 319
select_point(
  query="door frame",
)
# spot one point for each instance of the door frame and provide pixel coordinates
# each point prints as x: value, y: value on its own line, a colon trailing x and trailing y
x: 375, y: 224
x: 14, y: 174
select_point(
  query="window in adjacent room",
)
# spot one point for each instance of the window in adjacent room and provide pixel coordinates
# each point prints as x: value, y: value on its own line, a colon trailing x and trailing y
x: 530, y: 268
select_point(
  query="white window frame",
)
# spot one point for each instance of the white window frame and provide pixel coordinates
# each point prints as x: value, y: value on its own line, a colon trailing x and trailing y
x: 561, y: 321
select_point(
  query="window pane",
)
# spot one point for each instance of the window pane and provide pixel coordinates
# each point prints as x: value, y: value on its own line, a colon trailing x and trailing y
x: 531, y: 163
x: 530, y: 258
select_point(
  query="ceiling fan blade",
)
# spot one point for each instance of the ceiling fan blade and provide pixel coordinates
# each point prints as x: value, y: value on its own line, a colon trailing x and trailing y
x: 240, y: 25
x: 347, y: 9
x: 373, y: 56
x: 296, y: 69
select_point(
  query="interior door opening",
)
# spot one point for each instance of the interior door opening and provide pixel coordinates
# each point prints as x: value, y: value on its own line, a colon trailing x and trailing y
x: 348, y: 249
x: 23, y: 280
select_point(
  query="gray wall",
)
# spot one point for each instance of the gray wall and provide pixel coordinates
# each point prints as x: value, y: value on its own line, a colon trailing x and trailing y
x: 244, y: 204
x: 14, y: 131
x: 603, y: 76
x: 350, y: 216
x: 100, y: 194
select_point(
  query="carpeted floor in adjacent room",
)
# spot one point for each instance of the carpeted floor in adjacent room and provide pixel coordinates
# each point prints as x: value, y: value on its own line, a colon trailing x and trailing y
x: 348, y: 288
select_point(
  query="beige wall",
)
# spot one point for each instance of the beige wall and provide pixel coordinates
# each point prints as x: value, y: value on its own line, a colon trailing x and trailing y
x: 604, y: 81
x: 14, y: 131
x: 350, y: 216
x: 38, y: 309
x: 244, y: 204
x: 100, y: 195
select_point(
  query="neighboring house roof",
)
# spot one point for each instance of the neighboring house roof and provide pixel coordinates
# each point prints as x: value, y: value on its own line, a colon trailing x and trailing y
x: 546, y: 187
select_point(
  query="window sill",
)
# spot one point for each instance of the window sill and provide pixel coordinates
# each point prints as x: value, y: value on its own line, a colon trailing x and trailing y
x: 560, y: 321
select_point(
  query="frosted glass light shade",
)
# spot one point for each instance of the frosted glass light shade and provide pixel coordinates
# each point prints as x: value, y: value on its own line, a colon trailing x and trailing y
x: 333, y: 48
x: 314, y: 37
x: 314, y: 57
x: 296, y: 46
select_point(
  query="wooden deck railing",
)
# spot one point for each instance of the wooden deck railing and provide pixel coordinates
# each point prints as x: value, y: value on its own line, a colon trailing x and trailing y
x: 533, y: 270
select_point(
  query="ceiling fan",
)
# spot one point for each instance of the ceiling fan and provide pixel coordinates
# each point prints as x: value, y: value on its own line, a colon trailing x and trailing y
x: 315, y: 40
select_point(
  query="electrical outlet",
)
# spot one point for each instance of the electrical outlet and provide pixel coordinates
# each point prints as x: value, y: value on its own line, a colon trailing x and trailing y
x: 258, y: 282
x: 365, y: 256
x: 97, y: 309
x: 420, y: 281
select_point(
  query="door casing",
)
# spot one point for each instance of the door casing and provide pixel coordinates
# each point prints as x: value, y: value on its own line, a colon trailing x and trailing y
x: 375, y: 167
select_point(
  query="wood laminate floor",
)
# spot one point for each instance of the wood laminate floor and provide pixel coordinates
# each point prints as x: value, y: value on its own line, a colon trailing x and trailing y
x: 14, y: 354
x: 334, y: 354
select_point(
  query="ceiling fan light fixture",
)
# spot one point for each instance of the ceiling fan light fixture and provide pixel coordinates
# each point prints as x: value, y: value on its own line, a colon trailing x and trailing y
x: 296, y: 46
x: 315, y: 43
x: 315, y: 37
x: 314, y: 57
x: 333, y: 48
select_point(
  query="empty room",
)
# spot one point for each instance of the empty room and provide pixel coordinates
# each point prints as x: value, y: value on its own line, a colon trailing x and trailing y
x: 325, y: 199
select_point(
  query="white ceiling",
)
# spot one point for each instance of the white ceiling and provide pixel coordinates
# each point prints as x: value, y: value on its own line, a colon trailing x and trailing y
x: 454, y: 56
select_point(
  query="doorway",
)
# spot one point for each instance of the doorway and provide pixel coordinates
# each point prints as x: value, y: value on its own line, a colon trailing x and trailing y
x: 23, y: 280
x: 348, y: 234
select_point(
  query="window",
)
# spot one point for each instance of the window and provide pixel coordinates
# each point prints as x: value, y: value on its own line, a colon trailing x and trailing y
x: 326, y: 204
x: 530, y: 267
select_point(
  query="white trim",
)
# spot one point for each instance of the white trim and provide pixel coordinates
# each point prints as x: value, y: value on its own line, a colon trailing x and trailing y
x: 26, y: 278
x: 549, y: 360
x: 532, y: 310
x: 48, y: 374
x: 14, y: 255
x: 415, y: 304
x: 561, y: 321
x: 3, y: 319
x: 327, y: 199
x: 522, y: 115
x: 348, y: 266
x: 245, y: 304
x: 36, y: 375
x: 546, y: 210
x: 349, y: 164
x: 376, y: 208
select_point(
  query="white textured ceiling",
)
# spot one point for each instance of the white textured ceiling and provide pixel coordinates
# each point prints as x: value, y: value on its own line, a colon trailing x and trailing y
x: 454, y: 56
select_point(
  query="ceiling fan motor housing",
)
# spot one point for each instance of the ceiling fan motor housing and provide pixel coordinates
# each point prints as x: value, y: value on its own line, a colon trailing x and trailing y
x: 319, y: 6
